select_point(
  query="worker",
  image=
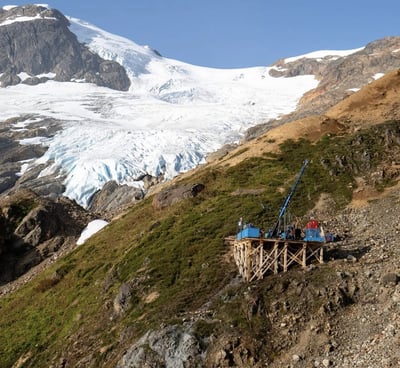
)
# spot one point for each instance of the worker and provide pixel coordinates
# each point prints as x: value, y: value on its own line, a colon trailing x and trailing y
x: 240, y: 223
x: 297, y: 233
x: 290, y: 232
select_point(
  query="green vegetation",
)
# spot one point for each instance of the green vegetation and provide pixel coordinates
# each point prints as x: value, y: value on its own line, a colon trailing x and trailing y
x: 177, y: 255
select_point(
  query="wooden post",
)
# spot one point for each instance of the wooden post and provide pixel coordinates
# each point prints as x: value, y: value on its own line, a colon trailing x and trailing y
x: 276, y: 257
x: 261, y: 259
x: 248, y: 260
x: 304, y: 263
x: 285, y: 250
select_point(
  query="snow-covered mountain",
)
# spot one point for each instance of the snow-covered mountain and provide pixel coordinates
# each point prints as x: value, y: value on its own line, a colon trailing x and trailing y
x: 173, y: 115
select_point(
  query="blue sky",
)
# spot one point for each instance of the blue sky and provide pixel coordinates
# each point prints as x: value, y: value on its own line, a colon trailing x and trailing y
x: 239, y: 33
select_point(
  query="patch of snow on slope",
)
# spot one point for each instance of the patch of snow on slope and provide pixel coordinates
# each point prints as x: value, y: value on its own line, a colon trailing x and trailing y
x: 34, y: 140
x: 323, y: 54
x: 92, y: 228
x: 174, y: 115
x: 25, y: 19
x: 9, y: 7
x: 378, y: 75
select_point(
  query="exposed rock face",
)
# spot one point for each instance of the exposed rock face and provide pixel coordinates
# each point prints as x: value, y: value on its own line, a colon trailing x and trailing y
x: 169, y: 196
x: 13, y: 153
x: 34, y: 228
x: 170, y: 347
x: 339, y: 78
x: 112, y: 197
x: 44, y: 45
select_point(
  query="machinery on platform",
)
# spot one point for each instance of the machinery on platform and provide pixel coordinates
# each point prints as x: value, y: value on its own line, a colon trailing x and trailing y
x: 313, y: 232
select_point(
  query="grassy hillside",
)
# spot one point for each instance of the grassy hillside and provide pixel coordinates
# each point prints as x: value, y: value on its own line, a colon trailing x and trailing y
x: 175, y: 259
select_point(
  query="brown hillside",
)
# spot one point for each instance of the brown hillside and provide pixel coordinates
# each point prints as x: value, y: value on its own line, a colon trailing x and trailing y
x: 376, y: 103
x: 373, y: 104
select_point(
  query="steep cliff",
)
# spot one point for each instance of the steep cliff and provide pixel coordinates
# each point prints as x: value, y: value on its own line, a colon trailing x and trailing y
x: 36, y: 45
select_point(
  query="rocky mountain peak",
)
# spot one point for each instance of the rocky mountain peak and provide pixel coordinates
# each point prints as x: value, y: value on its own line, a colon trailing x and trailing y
x: 346, y: 75
x: 11, y: 14
x: 386, y: 44
x: 36, y: 45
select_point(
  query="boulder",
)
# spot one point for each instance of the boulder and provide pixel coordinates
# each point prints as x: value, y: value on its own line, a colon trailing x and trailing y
x: 171, y: 347
x: 175, y: 194
x: 114, y: 196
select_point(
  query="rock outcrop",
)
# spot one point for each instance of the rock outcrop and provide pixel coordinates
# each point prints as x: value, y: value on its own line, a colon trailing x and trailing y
x: 174, y: 194
x: 113, y: 198
x: 171, y: 346
x: 13, y: 155
x: 34, y: 228
x: 339, y: 78
x: 36, y: 40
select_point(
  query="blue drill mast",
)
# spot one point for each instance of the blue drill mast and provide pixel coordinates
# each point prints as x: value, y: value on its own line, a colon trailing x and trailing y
x: 274, y: 231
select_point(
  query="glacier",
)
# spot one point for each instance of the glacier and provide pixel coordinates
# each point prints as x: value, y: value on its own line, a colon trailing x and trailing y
x: 172, y: 117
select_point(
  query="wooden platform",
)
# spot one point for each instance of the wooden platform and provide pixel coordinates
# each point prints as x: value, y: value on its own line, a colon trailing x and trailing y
x: 255, y: 257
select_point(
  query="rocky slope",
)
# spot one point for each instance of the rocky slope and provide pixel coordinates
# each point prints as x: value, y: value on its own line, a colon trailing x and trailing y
x: 35, y: 229
x: 14, y: 154
x: 339, y: 77
x: 343, y: 76
x: 357, y: 325
x: 36, y: 41
x: 340, y: 314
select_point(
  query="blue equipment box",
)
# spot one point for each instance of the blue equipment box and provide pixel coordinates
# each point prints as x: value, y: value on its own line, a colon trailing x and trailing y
x: 249, y: 232
x: 313, y: 235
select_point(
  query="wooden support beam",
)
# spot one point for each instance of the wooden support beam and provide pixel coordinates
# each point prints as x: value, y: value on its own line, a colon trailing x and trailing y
x: 276, y: 257
x: 255, y: 257
x: 285, y: 257
x: 248, y: 260
x: 261, y: 260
